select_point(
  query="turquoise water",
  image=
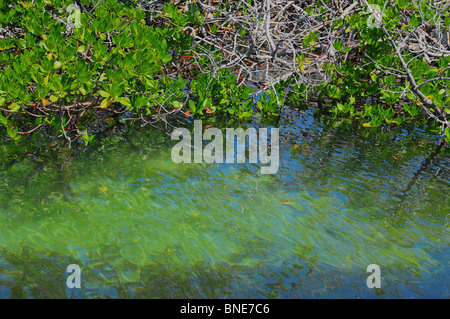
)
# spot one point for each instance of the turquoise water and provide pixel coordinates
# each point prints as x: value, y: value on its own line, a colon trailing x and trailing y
x: 141, y: 226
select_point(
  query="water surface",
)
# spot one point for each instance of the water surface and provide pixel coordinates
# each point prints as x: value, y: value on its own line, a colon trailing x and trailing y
x: 140, y: 226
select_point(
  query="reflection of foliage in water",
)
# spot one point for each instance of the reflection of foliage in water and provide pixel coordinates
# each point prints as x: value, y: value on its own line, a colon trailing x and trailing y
x: 133, y: 218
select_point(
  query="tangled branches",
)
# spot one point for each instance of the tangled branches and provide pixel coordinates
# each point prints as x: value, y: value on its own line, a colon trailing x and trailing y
x: 150, y: 60
x: 308, y: 44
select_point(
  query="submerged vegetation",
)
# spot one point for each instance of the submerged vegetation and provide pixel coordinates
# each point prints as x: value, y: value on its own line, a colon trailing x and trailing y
x: 140, y: 225
x: 63, y: 66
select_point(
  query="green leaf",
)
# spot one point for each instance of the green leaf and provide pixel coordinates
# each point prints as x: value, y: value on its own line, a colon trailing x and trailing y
x: 124, y: 100
x: 352, y: 100
x: 3, y: 120
x: 12, y: 132
x: 403, y: 3
x: 166, y: 59
x: 14, y: 107
x: 105, y: 103
x: 104, y: 93
x: 374, y: 77
x: 192, y: 106
x: 177, y: 104
x: 338, y: 45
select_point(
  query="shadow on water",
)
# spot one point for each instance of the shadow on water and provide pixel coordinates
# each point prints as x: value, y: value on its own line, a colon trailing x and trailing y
x: 141, y: 226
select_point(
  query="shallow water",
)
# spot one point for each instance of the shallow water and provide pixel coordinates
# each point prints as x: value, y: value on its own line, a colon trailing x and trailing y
x: 140, y: 225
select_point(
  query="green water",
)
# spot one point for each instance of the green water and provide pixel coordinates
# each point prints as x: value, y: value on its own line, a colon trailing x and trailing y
x: 139, y: 225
